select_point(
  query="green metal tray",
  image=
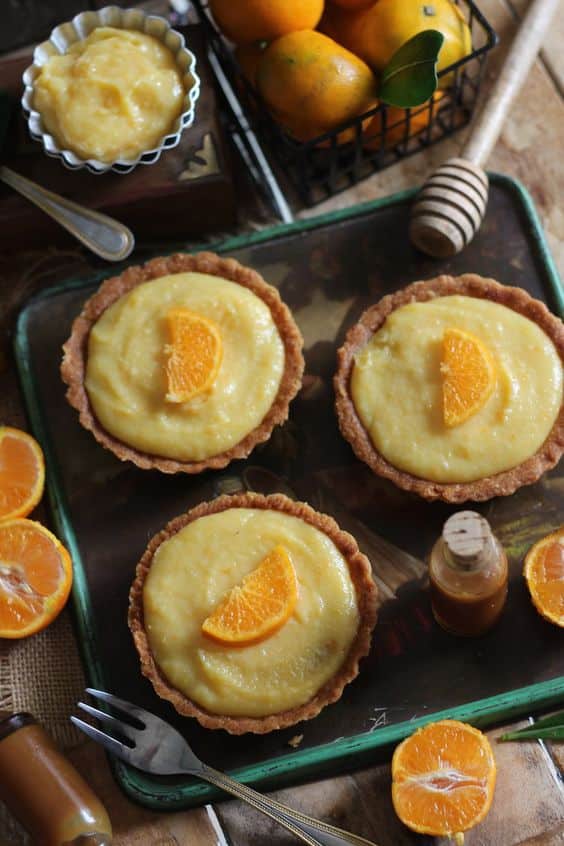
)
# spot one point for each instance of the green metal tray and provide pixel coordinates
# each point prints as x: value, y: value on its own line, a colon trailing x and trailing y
x: 328, y: 270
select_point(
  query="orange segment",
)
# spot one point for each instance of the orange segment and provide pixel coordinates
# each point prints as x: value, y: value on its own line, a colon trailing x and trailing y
x: 35, y: 577
x: 194, y: 354
x: 544, y: 573
x: 259, y: 606
x: 468, y: 376
x: 22, y: 473
x: 443, y: 778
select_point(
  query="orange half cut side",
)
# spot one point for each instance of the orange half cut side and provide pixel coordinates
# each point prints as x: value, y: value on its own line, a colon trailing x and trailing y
x: 35, y: 577
x: 544, y: 574
x: 468, y: 376
x: 22, y: 473
x: 194, y: 354
x: 443, y: 778
x: 259, y: 606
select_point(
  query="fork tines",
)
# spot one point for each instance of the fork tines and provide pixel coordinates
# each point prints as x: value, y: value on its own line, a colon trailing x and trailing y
x: 121, y: 704
x: 118, y: 726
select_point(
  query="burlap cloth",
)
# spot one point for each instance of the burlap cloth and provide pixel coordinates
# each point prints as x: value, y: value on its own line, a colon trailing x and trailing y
x: 43, y: 675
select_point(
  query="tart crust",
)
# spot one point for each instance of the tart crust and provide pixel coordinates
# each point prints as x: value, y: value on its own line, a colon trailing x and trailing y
x: 75, y: 352
x: 361, y: 575
x: 472, y: 285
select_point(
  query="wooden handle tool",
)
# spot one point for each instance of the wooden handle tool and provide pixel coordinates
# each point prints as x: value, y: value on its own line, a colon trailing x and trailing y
x: 450, y: 207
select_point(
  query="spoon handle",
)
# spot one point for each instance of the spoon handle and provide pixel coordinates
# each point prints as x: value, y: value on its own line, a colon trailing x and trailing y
x: 105, y: 236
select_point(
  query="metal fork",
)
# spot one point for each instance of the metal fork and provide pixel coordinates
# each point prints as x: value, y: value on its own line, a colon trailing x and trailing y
x: 155, y: 747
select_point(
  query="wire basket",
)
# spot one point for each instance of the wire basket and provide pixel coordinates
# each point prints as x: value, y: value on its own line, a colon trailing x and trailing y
x: 324, y: 166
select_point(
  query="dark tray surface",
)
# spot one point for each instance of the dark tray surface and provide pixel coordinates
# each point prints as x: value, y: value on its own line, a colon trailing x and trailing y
x: 327, y: 271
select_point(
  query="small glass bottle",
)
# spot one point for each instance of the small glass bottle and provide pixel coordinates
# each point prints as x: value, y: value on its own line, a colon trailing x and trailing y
x: 468, y: 575
x: 44, y: 791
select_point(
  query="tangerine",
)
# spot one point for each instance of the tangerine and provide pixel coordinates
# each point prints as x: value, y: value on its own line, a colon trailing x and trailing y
x: 443, y: 778
x: 375, y: 33
x: 35, y: 577
x: 400, y: 123
x: 259, y: 606
x: 22, y: 473
x: 352, y: 4
x: 194, y: 354
x: 311, y: 84
x: 248, y: 56
x: 544, y: 574
x: 246, y: 21
x: 468, y: 376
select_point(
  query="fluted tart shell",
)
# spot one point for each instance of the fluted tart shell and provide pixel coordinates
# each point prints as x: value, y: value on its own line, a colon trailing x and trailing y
x: 470, y: 285
x: 366, y: 593
x: 75, y: 354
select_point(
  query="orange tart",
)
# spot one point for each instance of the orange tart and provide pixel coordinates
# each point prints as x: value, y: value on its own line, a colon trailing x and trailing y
x: 251, y: 613
x: 452, y: 388
x: 184, y: 363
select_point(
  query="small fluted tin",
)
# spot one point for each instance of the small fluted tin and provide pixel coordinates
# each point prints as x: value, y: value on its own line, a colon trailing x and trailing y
x: 80, y: 28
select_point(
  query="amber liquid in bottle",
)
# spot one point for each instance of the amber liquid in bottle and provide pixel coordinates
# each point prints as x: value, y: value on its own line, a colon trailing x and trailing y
x: 468, y: 576
x: 44, y: 791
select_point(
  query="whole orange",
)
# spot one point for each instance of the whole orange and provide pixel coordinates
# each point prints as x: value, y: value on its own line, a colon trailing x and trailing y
x: 248, y: 56
x: 311, y: 84
x: 396, y: 124
x: 245, y: 21
x: 352, y: 4
x: 375, y: 33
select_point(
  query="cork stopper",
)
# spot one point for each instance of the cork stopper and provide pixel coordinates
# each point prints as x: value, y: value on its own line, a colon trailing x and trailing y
x: 468, y: 540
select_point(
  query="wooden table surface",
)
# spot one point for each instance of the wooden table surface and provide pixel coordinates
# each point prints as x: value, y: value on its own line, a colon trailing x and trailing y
x: 528, y: 807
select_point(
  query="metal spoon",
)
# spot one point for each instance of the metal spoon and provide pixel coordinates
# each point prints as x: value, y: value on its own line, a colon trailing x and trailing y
x: 102, y: 234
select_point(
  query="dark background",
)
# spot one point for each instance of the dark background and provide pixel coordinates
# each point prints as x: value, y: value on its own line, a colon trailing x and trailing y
x: 25, y: 21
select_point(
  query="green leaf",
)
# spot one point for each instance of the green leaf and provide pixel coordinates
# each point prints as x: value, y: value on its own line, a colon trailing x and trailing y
x: 545, y: 722
x: 410, y: 77
x: 554, y: 733
x: 547, y: 728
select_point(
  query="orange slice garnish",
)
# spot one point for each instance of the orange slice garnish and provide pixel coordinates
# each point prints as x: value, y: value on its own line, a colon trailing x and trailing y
x: 194, y: 354
x: 259, y: 606
x: 22, y: 473
x: 35, y: 577
x: 544, y: 573
x: 443, y: 778
x: 468, y: 376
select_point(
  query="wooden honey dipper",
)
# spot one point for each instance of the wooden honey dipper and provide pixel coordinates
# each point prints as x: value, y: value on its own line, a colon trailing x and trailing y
x: 451, y: 205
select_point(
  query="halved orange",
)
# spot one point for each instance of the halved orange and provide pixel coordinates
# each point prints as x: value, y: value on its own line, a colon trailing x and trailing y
x: 443, y: 778
x: 194, y: 354
x: 35, y: 577
x: 468, y: 376
x: 22, y: 473
x: 259, y: 606
x: 544, y: 573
